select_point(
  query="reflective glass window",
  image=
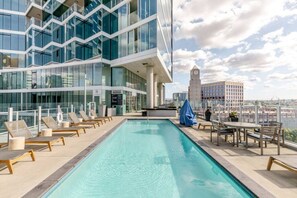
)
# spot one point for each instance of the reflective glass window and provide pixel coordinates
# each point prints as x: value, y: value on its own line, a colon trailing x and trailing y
x: 152, y: 34
x: 22, y: 23
x: 1, y: 20
x: 114, y: 48
x: 15, y: 22
x: 22, y: 43
x: 144, y: 37
x: 6, y: 41
x: 14, y: 42
x: 15, y: 5
x: 7, y: 5
x: 6, y: 22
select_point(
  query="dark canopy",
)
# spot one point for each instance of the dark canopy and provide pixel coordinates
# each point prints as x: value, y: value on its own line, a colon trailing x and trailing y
x: 187, y: 116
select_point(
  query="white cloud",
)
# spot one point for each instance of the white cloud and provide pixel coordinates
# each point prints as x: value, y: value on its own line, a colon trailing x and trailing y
x: 273, y: 36
x: 282, y: 76
x: 225, y: 23
x: 179, y: 87
x: 184, y: 60
x: 252, y: 61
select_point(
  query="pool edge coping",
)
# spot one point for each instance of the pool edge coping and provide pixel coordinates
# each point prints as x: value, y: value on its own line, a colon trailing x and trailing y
x: 43, y: 187
x: 242, y: 178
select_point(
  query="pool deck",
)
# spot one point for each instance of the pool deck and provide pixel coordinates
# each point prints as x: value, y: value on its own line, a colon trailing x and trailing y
x: 38, y: 175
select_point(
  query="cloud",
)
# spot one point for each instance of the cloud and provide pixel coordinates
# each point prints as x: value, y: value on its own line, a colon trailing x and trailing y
x: 252, y: 61
x: 225, y: 24
x: 178, y: 87
x: 273, y: 36
x: 282, y: 76
x: 184, y: 60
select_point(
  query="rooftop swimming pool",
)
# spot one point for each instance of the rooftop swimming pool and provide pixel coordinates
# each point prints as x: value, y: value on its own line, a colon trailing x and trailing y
x: 148, y: 159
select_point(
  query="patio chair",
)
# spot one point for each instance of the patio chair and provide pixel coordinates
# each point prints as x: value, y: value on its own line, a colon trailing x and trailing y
x: 19, y: 129
x: 10, y: 157
x: 281, y: 131
x: 217, y: 127
x: 86, y: 118
x: 51, y: 123
x: 108, y: 118
x: 287, y: 161
x: 266, y: 134
x: 76, y: 121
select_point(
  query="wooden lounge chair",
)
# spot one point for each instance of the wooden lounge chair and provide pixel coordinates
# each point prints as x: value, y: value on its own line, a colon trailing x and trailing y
x: 51, y: 123
x: 93, y: 113
x: 204, y: 125
x: 76, y: 121
x: 217, y: 127
x: 19, y: 129
x: 287, y: 161
x: 10, y: 157
x: 86, y: 118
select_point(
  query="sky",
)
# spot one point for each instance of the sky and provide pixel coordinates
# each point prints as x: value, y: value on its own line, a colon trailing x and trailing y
x: 254, y: 42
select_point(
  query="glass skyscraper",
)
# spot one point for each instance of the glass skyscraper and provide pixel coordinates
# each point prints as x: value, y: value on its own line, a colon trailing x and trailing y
x: 49, y: 49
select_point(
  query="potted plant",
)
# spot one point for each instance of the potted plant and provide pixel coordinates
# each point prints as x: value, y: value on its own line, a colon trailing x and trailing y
x: 233, y: 116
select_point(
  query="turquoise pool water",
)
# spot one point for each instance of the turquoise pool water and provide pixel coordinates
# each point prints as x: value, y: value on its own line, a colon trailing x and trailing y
x: 148, y: 159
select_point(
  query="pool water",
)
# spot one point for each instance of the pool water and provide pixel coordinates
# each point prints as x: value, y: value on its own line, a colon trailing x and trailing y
x: 148, y: 159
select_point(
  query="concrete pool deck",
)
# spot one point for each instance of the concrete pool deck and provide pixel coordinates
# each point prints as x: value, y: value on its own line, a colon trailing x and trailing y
x: 28, y: 175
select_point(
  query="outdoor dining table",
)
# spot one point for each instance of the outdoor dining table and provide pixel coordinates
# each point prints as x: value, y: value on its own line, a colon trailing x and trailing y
x: 241, y: 125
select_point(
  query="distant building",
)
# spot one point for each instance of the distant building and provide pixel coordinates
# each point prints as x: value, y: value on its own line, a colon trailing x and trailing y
x: 179, y: 98
x: 194, y: 90
x: 227, y: 94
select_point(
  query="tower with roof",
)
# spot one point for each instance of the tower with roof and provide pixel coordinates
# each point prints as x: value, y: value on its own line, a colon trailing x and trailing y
x: 194, y: 89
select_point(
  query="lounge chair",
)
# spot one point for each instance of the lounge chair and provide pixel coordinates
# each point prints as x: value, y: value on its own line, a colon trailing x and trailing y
x: 217, y: 127
x: 19, y: 129
x: 93, y: 113
x: 76, y: 121
x: 10, y: 157
x: 51, y: 123
x: 86, y: 118
x: 287, y: 161
x: 204, y: 125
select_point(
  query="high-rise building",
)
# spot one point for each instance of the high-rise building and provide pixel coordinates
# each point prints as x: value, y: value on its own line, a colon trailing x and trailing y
x: 115, y: 47
x: 12, y: 36
x: 227, y: 94
x: 179, y: 98
x: 194, y: 90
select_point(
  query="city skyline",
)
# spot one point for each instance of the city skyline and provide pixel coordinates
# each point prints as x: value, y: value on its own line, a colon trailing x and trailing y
x: 252, y: 42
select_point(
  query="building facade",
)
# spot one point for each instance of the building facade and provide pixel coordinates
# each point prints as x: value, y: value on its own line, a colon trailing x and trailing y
x: 179, y: 98
x: 227, y: 94
x: 12, y: 34
x: 108, y: 51
x: 194, y: 89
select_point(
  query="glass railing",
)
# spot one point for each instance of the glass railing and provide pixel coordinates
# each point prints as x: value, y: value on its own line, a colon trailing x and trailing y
x: 260, y: 115
x: 37, y: 2
x: 72, y: 9
x: 34, y: 21
x: 31, y: 116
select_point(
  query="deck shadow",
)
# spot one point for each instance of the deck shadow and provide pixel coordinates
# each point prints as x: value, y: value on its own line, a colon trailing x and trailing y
x: 281, y: 178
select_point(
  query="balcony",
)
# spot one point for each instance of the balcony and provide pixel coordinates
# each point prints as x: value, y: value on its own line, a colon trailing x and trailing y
x: 33, y: 21
x: 34, y: 8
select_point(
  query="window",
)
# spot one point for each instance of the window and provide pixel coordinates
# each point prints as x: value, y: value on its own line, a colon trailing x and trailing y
x: 15, y: 22
x: 14, y: 42
x: 15, y: 5
x: 6, y: 22
x: 7, y: 4
x: 6, y: 41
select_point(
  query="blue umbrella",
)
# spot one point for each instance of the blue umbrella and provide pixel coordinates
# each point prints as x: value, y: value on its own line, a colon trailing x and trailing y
x: 187, y: 116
